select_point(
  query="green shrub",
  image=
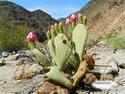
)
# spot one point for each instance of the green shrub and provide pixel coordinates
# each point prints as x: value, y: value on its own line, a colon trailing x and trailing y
x: 13, y: 38
x: 108, y: 36
x: 116, y: 42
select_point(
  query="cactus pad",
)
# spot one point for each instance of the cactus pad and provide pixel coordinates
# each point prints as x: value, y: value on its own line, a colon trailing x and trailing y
x: 48, y: 34
x: 63, y: 50
x: 74, y: 60
x: 41, y: 57
x: 51, y: 47
x: 79, y: 37
x: 56, y: 75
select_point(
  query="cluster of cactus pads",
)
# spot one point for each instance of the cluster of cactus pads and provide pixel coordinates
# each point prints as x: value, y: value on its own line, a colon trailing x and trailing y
x: 64, y: 53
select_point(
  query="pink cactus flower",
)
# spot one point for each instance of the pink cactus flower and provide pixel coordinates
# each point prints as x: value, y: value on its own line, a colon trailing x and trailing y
x: 31, y: 37
x: 67, y: 21
x: 73, y: 17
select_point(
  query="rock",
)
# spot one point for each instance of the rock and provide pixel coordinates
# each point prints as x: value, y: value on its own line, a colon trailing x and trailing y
x: 12, y: 57
x: 107, y: 77
x: 14, y: 52
x: 2, y: 62
x: 109, y: 67
x: 51, y: 88
x: 25, y: 53
x: 104, y: 84
x: 5, y: 54
x: 89, y: 78
x: 27, y: 72
x: 25, y: 60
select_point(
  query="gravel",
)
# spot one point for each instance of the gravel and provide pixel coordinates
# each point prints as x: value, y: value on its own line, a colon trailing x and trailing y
x: 27, y: 86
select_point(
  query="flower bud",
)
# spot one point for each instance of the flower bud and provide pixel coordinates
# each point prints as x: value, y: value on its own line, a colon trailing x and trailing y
x: 67, y: 21
x: 73, y: 17
x: 31, y: 37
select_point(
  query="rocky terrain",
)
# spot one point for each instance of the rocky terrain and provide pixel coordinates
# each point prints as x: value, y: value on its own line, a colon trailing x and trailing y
x: 22, y: 76
x: 104, y: 16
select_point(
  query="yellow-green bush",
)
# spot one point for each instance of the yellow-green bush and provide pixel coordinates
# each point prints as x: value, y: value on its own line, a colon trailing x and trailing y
x: 13, y: 38
x: 116, y: 42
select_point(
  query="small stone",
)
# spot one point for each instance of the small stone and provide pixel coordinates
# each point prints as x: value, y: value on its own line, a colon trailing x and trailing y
x: 2, y: 62
x: 89, y: 78
x: 107, y: 77
x: 104, y: 84
x: 5, y: 54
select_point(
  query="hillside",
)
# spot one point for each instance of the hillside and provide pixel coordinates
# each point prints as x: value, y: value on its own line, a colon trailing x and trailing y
x: 105, y: 16
x: 16, y: 21
x: 19, y: 15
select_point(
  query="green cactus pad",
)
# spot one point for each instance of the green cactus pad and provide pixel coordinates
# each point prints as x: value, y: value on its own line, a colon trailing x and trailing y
x: 63, y: 50
x: 79, y: 37
x: 53, y: 34
x: 56, y: 75
x: 74, y: 60
x: 41, y: 57
x: 48, y: 34
x: 51, y: 47
x: 58, y: 39
x: 84, y: 20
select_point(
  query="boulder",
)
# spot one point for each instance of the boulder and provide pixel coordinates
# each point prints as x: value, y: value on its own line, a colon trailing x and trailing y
x: 109, y: 67
x: 50, y: 87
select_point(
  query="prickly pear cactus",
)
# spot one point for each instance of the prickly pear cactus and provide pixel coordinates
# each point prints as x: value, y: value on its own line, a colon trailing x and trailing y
x: 53, y: 33
x: 79, y: 37
x: 51, y: 47
x: 48, y: 34
x: 58, y: 38
x: 41, y: 57
x: 55, y: 75
x: 62, y: 49
x: 74, y: 60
